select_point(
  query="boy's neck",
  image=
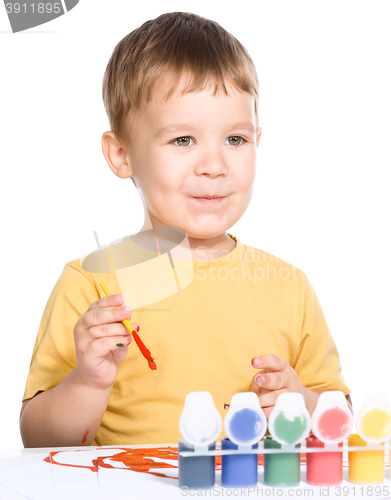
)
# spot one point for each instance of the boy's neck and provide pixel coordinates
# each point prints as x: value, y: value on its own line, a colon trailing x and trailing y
x: 201, y: 249
x: 211, y: 248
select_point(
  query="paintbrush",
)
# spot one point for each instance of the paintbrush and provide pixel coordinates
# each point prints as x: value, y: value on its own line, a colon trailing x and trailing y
x: 144, y: 351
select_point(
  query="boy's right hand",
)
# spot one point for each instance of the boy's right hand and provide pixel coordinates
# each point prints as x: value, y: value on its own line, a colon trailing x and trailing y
x: 96, y: 334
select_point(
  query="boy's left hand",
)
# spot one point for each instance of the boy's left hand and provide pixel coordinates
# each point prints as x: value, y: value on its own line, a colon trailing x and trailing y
x: 278, y: 377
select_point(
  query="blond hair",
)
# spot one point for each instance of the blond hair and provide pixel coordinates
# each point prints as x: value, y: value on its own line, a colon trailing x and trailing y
x: 173, y: 44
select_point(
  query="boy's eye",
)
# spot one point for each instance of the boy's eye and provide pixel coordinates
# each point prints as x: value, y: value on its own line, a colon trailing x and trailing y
x: 234, y: 140
x: 183, y: 141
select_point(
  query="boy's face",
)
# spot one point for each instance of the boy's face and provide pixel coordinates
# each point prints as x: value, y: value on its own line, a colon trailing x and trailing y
x: 192, y: 147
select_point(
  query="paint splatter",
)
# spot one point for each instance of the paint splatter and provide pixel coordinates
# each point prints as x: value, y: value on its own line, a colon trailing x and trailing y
x: 142, y: 459
x: 134, y: 459
x: 51, y: 459
x: 85, y: 436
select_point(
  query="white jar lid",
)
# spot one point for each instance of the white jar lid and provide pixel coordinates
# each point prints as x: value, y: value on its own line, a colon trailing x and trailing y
x: 245, y: 422
x: 289, y: 422
x: 200, y: 423
x: 373, y: 421
x: 332, y: 420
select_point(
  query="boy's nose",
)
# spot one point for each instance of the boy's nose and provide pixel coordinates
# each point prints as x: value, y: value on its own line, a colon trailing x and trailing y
x: 212, y: 163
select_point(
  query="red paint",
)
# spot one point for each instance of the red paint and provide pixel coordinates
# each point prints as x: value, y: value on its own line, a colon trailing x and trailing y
x: 144, y: 351
x: 333, y: 424
x: 140, y: 460
x: 52, y: 454
x: 323, y: 469
x: 85, y: 436
x: 137, y: 460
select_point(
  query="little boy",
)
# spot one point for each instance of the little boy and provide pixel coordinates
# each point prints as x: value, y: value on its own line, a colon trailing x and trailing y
x: 181, y: 94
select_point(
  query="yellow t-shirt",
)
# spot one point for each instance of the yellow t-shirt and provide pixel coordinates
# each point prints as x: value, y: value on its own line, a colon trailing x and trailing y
x: 203, y: 338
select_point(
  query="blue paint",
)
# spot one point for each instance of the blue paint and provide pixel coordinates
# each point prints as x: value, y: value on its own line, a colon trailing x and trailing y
x: 238, y: 470
x: 245, y: 425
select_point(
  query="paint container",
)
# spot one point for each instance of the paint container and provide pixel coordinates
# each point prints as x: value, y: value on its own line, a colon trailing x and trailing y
x: 365, y: 467
x: 289, y: 423
x: 331, y: 423
x: 200, y: 425
x: 195, y: 473
x: 281, y: 469
x: 238, y: 470
x: 245, y: 425
x: 323, y: 469
x: 373, y: 423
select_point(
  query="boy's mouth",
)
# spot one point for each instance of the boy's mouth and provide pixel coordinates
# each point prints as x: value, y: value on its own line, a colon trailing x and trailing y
x: 209, y: 199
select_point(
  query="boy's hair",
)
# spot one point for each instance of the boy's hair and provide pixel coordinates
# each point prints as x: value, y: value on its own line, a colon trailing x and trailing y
x: 172, y: 44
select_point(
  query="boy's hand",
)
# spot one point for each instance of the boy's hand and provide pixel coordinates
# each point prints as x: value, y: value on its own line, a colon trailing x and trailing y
x: 275, y: 378
x: 96, y: 334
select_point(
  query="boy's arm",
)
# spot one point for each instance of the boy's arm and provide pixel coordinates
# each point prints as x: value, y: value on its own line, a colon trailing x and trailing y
x: 70, y: 413
x: 66, y: 415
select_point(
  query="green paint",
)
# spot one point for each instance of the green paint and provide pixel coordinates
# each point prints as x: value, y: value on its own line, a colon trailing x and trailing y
x: 288, y: 430
x: 119, y: 345
x: 282, y: 469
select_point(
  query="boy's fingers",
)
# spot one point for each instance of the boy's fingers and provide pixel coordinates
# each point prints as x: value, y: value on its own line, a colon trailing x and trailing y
x: 111, y: 300
x: 269, y: 362
x: 268, y: 398
x: 271, y: 381
x: 109, y: 330
x: 102, y: 346
x: 267, y: 411
x: 104, y: 316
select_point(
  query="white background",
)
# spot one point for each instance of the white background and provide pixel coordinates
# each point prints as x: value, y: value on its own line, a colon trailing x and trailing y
x: 321, y: 199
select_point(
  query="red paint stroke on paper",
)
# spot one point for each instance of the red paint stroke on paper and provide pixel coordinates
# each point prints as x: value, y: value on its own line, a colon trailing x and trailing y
x: 52, y: 454
x: 141, y: 459
x: 135, y: 459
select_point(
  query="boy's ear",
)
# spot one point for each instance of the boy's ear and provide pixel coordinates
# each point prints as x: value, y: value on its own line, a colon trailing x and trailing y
x: 259, y: 132
x: 116, y: 156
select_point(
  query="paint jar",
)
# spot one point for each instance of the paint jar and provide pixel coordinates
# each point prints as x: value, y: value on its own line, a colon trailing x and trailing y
x: 289, y: 422
x: 365, y: 467
x: 200, y: 425
x: 331, y: 423
x: 238, y: 470
x: 245, y: 425
x: 282, y: 469
x: 332, y: 420
x: 198, y: 472
x: 373, y: 421
x: 323, y: 469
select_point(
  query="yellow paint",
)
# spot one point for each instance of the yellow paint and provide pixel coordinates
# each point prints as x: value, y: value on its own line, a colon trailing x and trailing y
x: 376, y: 424
x: 365, y: 467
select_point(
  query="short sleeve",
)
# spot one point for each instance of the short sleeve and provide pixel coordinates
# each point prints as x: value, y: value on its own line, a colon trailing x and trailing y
x: 317, y: 364
x: 54, y: 355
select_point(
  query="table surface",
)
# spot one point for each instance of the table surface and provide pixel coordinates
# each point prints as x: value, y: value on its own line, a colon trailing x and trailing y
x: 140, y: 472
